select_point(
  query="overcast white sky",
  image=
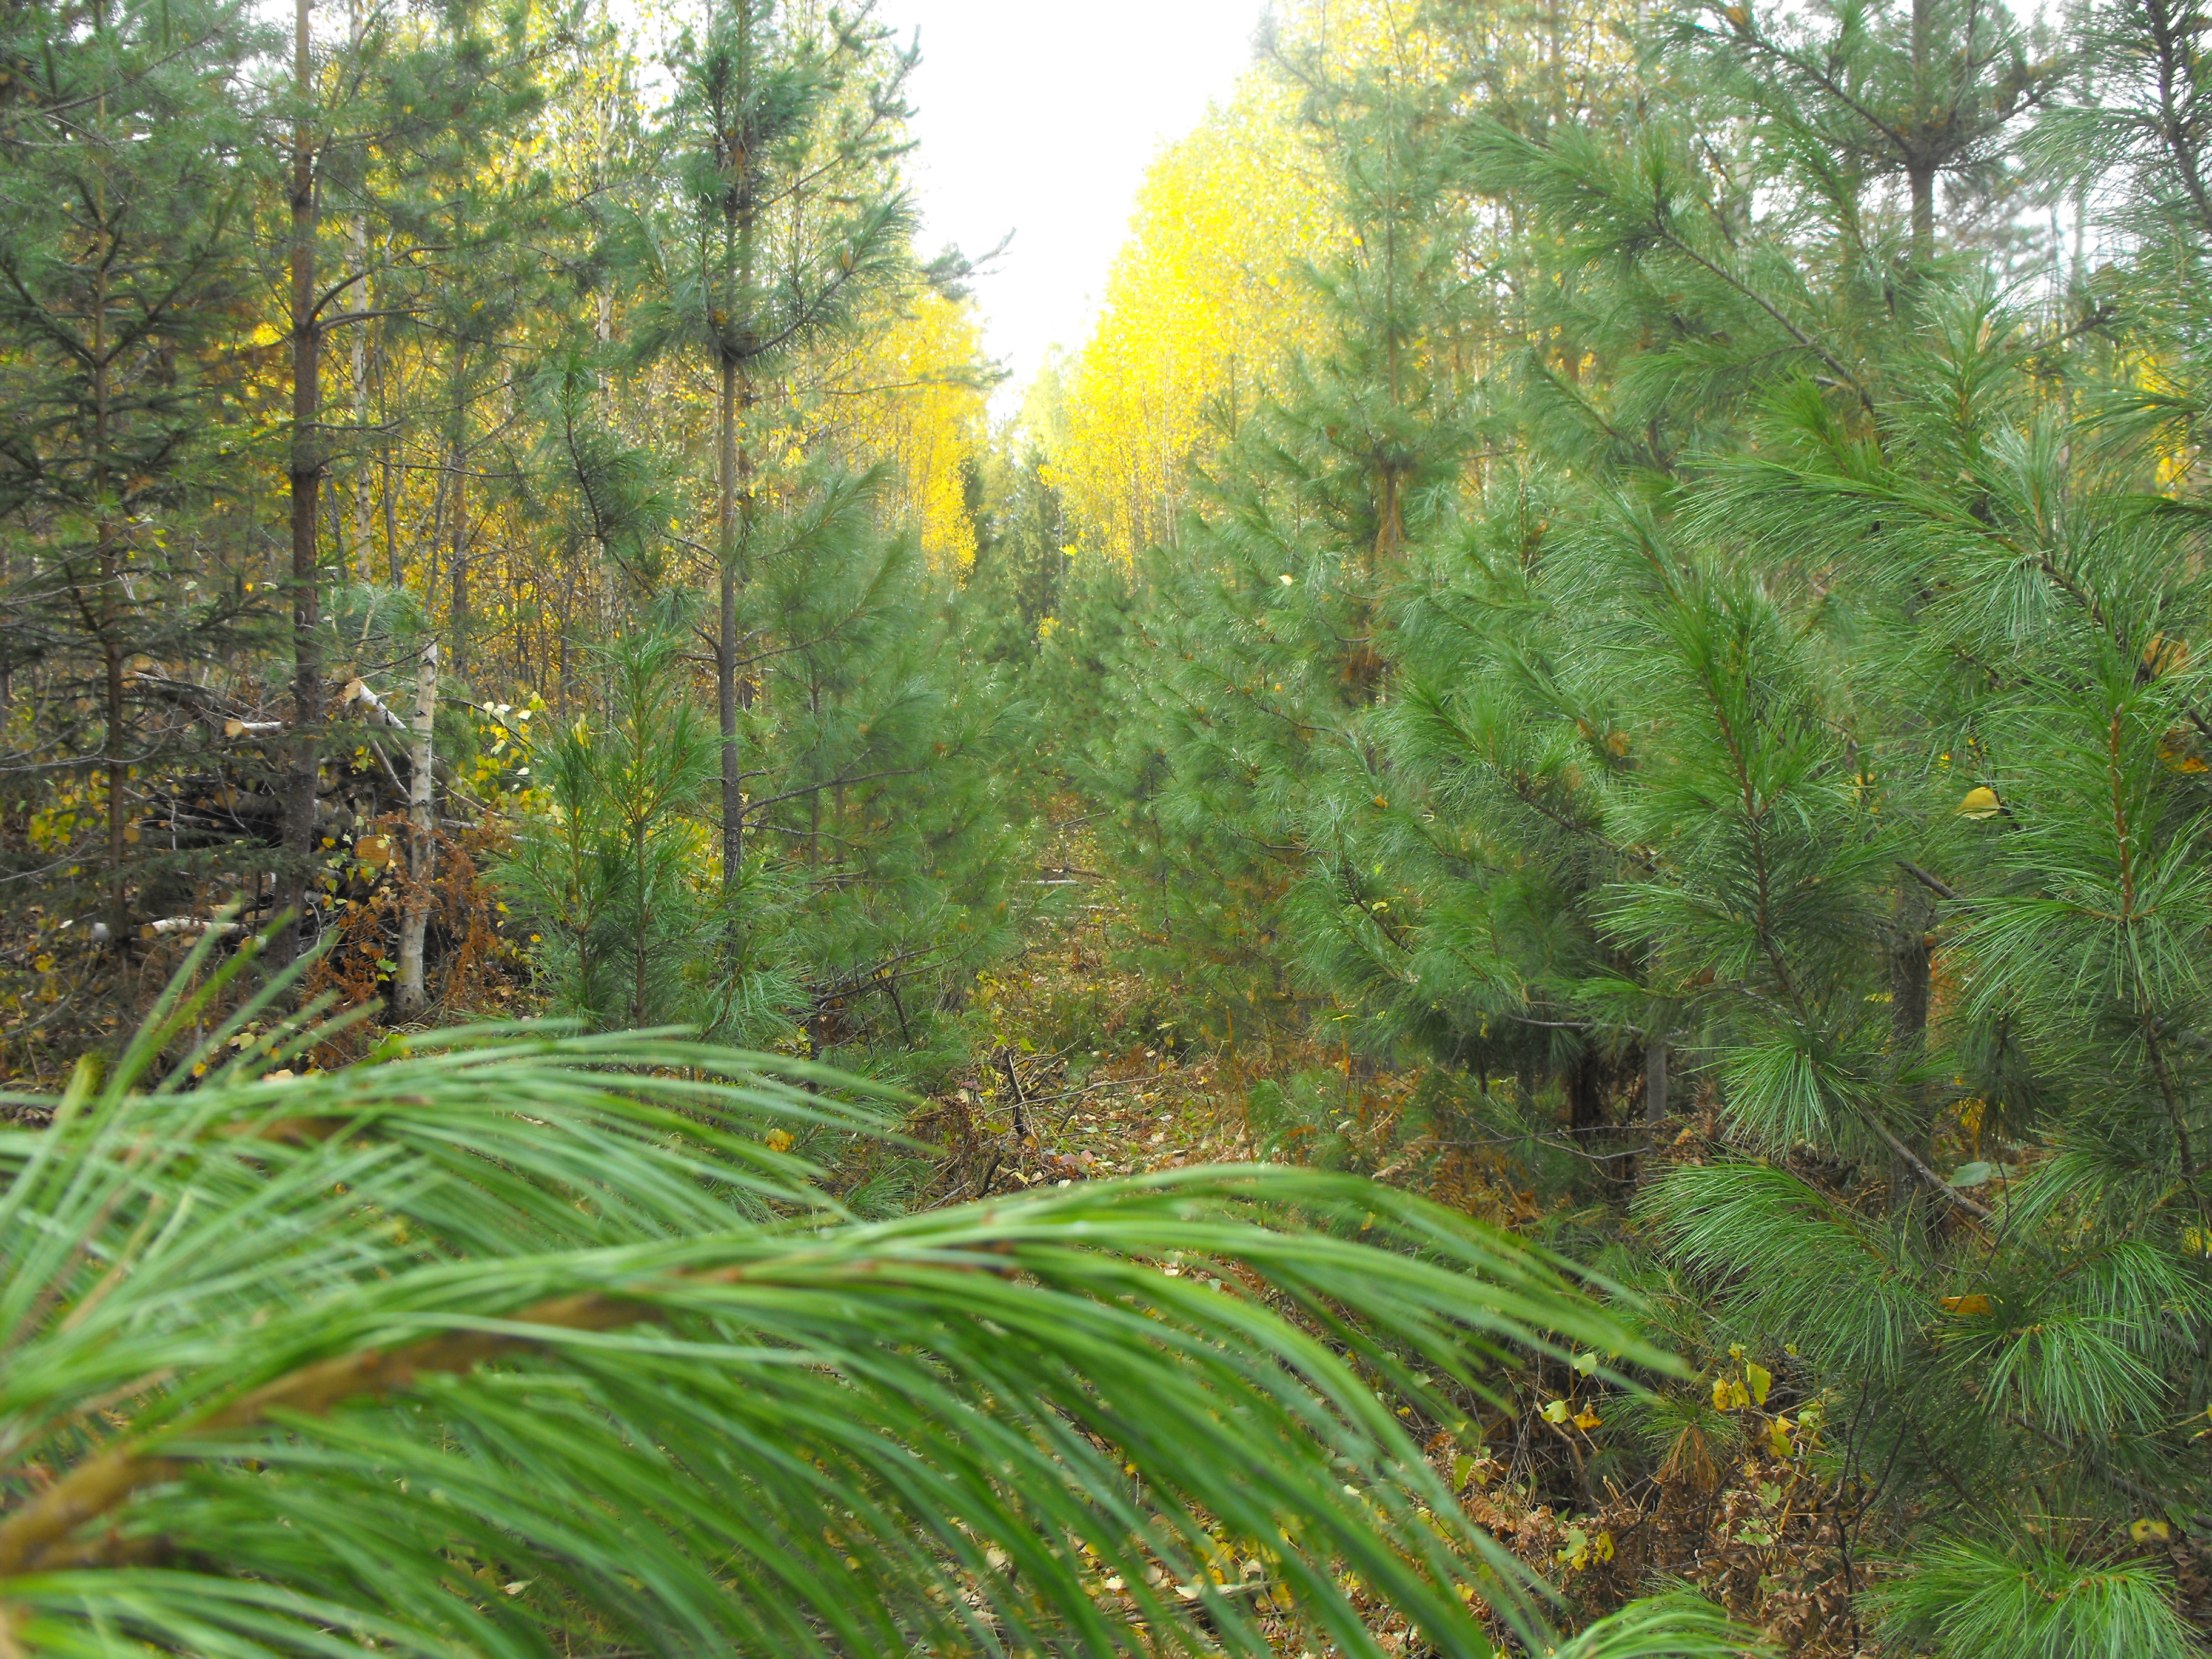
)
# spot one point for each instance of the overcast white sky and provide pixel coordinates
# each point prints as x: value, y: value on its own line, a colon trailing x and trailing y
x: 1040, y: 118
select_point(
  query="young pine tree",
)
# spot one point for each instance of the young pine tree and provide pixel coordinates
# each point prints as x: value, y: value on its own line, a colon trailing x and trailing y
x: 780, y: 213
x: 125, y: 200
x: 1259, y: 658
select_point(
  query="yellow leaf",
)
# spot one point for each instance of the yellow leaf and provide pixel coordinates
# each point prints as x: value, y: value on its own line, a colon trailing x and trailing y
x: 777, y: 1140
x: 2195, y: 1241
x: 1587, y: 1420
x: 1761, y: 1379
x: 2177, y: 749
x: 1966, y: 1307
x: 1555, y: 1412
x: 2143, y: 1531
x: 1777, y: 1438
x: 2162, y: 656
x: 1981, y: 802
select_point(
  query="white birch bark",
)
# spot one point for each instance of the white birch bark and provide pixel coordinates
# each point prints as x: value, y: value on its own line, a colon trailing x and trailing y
x: 415, y: 912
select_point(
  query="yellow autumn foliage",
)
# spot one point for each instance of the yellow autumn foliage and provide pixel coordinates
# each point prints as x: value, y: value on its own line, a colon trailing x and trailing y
x: 905, y: 395
x: 1200, y: 309
x: 1207, y: 301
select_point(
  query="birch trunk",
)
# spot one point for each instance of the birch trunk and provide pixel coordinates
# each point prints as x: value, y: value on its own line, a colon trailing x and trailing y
x: 421, y: 760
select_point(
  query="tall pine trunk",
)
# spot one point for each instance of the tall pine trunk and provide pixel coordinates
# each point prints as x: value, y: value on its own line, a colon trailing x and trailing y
x: 1911, y: 961
x: 110, y: 602
x: 734, y: 461
x: 1919, y: 167
x: 726, y: 639
x: 307, y: 479
x: 459, y: 573
x: 363, y: 490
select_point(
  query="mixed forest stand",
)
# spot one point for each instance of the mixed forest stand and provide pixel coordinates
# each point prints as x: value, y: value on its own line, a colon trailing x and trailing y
x: 1599, y: 676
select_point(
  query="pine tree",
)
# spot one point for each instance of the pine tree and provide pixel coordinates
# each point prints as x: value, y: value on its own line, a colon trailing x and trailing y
x: 1804, y: 716
x: 876, y: 769
x: 608, y: 872
x: 123, y: 265
x: 781, y: 216
x: 1260, y: 654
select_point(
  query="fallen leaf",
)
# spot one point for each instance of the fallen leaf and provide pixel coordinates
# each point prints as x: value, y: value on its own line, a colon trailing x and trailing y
x: 1981, y: 802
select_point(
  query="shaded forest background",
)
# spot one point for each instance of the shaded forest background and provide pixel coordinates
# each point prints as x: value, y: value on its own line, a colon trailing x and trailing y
x: 1610, y: 627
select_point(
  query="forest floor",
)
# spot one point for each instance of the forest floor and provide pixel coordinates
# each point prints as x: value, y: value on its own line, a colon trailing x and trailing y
x: 1077, y: 1074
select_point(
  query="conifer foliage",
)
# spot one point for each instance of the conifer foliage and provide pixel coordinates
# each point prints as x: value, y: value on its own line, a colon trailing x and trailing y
x: 1730, y: 700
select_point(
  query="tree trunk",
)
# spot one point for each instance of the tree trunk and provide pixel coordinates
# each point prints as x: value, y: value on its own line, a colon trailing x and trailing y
x: 363, y: 491
x: 110, y: 602
x: 422, y: 825
x: 1654, y: 1091
x: 725, y: 641
x: 1919, y: 167
x: 732, y: 464
x: 354, y: 558
x: 460, y: 566
x: 1911, y: 972
x: 1585, y: 1081
x: 307, y: 479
